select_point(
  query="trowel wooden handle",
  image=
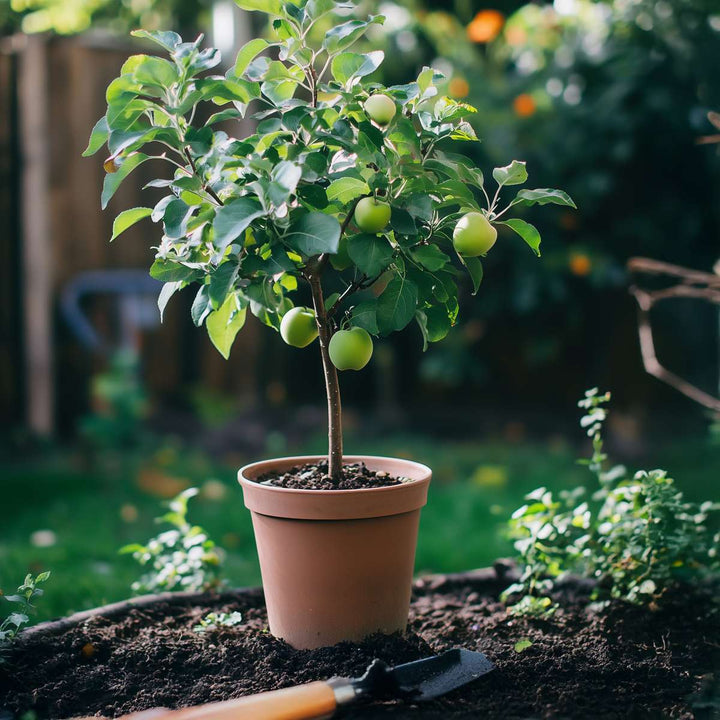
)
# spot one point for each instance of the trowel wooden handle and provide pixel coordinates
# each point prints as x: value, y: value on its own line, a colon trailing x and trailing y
x: 304, y: 702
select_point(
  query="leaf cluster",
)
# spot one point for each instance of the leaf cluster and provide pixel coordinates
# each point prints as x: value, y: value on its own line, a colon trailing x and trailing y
x: 245, y: 219
x: 634, y: 536
x: 183, y: 558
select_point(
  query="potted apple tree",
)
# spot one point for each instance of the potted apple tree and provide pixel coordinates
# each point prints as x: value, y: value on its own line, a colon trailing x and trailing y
x: 351, y: 189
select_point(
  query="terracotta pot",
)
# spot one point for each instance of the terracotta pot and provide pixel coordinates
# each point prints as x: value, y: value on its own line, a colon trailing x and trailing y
x: 336, y: 564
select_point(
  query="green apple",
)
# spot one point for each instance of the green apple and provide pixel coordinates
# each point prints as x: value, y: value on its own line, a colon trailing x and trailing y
x: 380, y: 108
x: 298, y: 327
x: 351, y: 349
x: 341, y: 259
x: 473, y: 235
x: 372, y: 215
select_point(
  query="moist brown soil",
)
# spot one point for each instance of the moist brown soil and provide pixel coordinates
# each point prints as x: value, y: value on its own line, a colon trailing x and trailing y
x: 314, y: 476
x: 621, y: 662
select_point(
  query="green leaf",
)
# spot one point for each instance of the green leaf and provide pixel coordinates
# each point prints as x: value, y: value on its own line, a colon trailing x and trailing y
x: 168, y: 290
x: 346, y: 189
x: 522, y: 645
x: 425, y: 79
x: 475, y: 269
x: 247, y: 53
x: 279, y: 90
x: 370, y: 253
x: 526, y: 231
x: 314, y: 233
x: 221, y: 282
x: 175, y: 218
x: 438, y: 323
x: 201, y: 306
x: 127, y: 218
x: 287, y: 175
x: 344, y: 35
x: 169, y: 271
x: 512, y: 174
x: 402, y: 222
x: 155, y: 71
x: 543, y: 196
x: 270, y: 7
x: 113, y: 180
x: 396, y: 306
x: 350, y: 65
x: 364, y: 315
x: 232, y: 219
x: 224, y: 324
x: 98, y: 137
x: 430, y: 257
x: 227, y: 114
x: 166, y: 39
x: 318, y: 8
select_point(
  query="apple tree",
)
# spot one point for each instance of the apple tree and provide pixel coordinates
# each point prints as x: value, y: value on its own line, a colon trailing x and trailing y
x: 343, y: 184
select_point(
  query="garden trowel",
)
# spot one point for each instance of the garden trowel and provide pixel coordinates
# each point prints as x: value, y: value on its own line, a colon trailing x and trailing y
x: 414, y: 682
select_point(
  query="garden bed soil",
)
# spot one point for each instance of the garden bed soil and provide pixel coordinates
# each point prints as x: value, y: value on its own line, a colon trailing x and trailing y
x: 314, y: 476
x: 621, y: 662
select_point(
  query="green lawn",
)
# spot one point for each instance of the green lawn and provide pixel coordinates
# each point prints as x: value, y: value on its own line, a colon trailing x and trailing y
x: 95, y: 508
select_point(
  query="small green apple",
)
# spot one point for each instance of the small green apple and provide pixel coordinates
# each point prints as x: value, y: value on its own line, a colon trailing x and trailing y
x: 372, y: 215
x: 298, y: 327
x: 473, y: 235
x: 380, y: 108
x: 351, y: 349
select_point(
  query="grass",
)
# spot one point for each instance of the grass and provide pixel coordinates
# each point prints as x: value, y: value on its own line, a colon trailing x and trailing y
x: 93, y: 508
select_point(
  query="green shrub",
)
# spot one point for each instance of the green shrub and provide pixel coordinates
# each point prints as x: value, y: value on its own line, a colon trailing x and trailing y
x: 635, y: 536
x: 183, y: 558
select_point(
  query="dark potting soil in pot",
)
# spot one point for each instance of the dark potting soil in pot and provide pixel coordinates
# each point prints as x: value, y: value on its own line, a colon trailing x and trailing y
x: 314, y: 476
x: 621, y: 662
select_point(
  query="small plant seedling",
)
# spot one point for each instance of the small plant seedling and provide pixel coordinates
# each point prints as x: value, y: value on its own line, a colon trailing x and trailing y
x: 183, y: 558
x: 522, y: 645
x: 23, y: 607
x: 346, y: 190
x: 635, y: 536
x: 214, y: 620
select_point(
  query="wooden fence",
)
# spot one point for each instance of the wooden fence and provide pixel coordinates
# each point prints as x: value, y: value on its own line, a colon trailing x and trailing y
x: 51, y: 93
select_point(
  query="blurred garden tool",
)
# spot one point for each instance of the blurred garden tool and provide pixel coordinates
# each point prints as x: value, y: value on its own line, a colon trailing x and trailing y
x: 415, y: 681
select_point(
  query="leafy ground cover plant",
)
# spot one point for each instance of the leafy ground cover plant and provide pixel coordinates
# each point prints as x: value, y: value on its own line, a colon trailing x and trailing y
x: 22, y: 607
x: 183, y: 558
x: 636, y: 536
x: 214, y: 620
x: 347, y: 187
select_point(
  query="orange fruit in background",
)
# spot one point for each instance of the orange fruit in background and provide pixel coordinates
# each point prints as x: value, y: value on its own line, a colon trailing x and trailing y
x: 458, y: 87
x: 159, y: 484
x: 580, y: 264
x: 485, y: 26
x: 524, y: 105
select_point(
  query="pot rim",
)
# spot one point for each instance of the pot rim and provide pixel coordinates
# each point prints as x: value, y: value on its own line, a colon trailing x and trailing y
x: 299, y: 504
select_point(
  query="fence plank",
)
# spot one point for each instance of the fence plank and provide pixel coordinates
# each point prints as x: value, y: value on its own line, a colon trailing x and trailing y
x: 37, y: 254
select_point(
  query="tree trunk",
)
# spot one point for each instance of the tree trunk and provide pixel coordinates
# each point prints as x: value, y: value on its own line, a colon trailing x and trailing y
x: 332, y: 387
